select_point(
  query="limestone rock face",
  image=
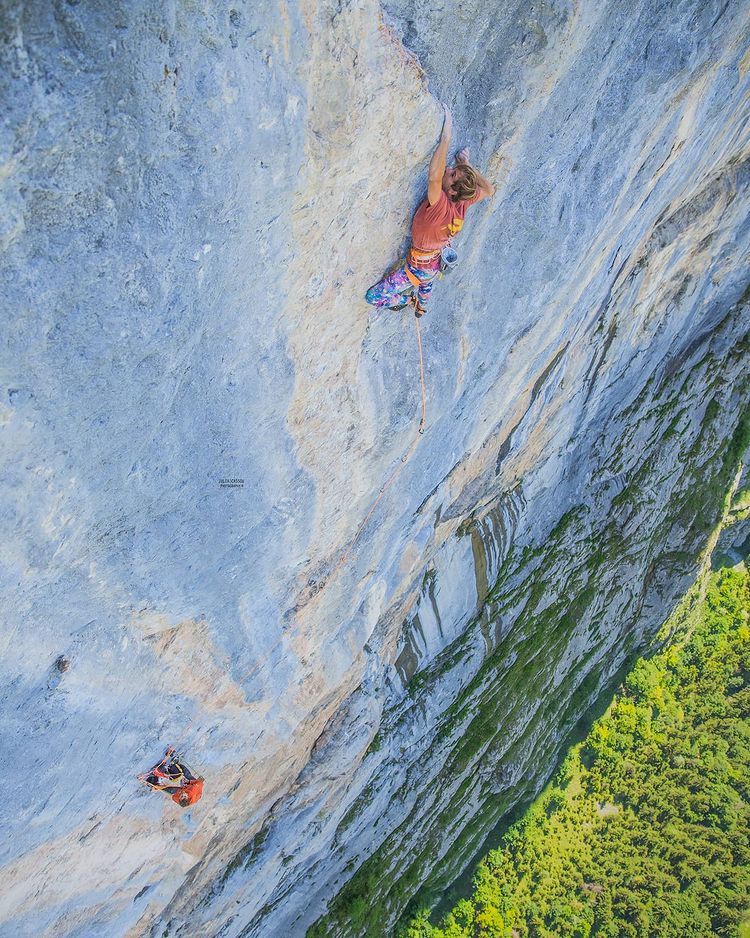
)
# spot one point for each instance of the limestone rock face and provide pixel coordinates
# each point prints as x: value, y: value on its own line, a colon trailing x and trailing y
x: 195, y: 197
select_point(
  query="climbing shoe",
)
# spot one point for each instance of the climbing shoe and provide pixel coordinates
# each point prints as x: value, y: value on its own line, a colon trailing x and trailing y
x: 401, y: 306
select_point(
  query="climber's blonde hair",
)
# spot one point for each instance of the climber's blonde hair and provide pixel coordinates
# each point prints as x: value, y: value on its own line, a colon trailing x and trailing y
x: 465, y: 184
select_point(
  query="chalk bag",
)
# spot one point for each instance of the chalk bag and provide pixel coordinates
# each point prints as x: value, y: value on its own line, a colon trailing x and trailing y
x: 448, y: 259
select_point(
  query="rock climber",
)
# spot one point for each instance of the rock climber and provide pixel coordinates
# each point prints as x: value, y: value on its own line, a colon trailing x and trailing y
x: 436, y: 222
x: 174, y: 778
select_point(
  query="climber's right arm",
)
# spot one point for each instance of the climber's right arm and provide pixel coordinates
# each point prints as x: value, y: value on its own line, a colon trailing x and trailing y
x: 485, y: 186
x: 439, y: 160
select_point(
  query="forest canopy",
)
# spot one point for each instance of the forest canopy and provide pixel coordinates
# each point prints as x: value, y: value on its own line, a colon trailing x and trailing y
x: 645, y: 831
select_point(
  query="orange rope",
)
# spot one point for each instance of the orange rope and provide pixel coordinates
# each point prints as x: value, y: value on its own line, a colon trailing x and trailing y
x: 383, y: 489
x: 396, y: 472
x: 423, y: 421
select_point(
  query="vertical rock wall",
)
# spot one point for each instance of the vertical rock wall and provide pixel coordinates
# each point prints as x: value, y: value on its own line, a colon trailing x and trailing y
x: 194, y: 198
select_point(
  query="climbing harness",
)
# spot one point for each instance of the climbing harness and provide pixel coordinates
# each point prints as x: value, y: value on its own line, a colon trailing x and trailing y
x: 156, y: 771
x: 178, y: 775
x: 417, y: 257
x: 448, y: 260
x: 413, y: 278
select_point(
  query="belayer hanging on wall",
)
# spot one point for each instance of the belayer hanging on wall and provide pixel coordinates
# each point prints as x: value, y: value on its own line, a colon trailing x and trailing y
x: 436, y: 222
x: 174, y: 778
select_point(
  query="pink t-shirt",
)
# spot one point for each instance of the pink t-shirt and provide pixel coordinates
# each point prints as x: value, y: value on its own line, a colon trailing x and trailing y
x: 434, y: 225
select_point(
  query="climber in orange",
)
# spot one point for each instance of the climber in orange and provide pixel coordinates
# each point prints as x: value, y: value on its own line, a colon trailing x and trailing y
x: 439, y: 218
x: 174, y: 778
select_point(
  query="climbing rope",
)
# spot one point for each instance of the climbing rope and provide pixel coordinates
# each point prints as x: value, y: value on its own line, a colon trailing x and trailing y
x: 397, y: 471
x: 383, y: 489
x: 423, y: 421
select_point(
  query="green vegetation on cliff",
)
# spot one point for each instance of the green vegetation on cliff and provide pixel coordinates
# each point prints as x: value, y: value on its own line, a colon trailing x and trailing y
x: 646, y: 829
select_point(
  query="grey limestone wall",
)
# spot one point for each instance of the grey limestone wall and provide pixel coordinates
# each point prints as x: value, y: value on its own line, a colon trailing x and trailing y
x: 194, y: 197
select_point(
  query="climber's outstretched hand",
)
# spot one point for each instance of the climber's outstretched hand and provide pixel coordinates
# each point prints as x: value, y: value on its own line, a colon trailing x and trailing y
x: 447, y: 121
x: 439, y: 160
